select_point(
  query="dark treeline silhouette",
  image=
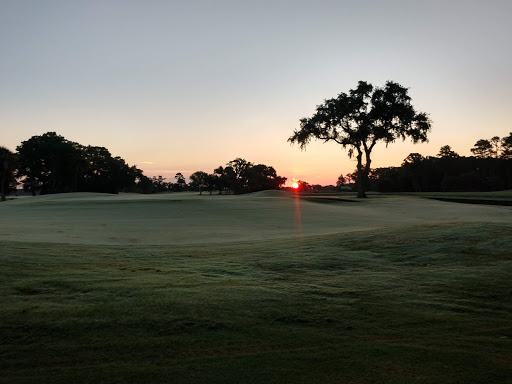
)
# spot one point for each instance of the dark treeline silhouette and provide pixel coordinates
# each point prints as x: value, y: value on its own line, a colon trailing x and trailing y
x: 490, y: 169
x: 304, y: 186
x: 8, y: 165
x: 238, y: 176
x: 49, y: 163
x: 158, y: 184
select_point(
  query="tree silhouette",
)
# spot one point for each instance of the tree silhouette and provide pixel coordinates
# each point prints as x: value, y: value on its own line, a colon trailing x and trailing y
x: 303, y: 186
x: 222, y: 179
x: 7, y: 171
x: 159, y: 184
x: 227, y: 179
x: 211, y: 182
x: 342, y: 180
x: 506, y: 145
x: 446, y: 152
x: 411, y: 169
x: 180, y: 182
x: 239, y: 167
x: 143, y: 183
x: 496, y: 146
x: 413, y: 159
x: 49, y: 163
x: 482, y: 149
x: 449, y: 172
x: 262, y: 177
x: 105, y: 173
x: 239, y: 176
x: 362, y: 118
x: 199, y: 180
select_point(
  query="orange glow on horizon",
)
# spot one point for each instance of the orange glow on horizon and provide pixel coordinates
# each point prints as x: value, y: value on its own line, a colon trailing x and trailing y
x: 295, y: 185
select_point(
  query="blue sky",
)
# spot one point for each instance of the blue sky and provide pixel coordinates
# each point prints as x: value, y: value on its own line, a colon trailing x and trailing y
x: 184, y: 86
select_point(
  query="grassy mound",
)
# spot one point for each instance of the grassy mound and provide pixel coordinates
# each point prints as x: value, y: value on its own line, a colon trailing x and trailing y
x: 231, y: 289
x: 270, y: 193
x: 180, y: 219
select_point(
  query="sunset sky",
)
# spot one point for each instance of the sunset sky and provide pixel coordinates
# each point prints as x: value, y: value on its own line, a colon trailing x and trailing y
x: 190, y: 85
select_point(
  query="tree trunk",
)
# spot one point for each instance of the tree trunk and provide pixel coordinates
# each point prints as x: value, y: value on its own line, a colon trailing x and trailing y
x: 32, y: 184
x: 367, y: 168
x: 2, y: 187
x: 360, y: 190
x: 361, y: 182
x: 4, y: 180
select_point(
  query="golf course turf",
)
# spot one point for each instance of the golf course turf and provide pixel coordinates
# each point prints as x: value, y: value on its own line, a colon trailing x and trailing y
x: 260, y: 288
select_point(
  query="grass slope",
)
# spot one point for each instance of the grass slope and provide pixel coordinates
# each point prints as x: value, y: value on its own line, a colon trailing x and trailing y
x: 417, y: 301
x: 186, y: 218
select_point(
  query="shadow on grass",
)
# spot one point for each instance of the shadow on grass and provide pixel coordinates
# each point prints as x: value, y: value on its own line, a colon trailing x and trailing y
x: 473, y: 201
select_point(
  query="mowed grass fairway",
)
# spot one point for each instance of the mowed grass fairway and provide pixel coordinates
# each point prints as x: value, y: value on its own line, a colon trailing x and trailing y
x: 261, y: 288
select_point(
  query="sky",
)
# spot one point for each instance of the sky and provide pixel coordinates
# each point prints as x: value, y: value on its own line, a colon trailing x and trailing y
x: 182, y: 86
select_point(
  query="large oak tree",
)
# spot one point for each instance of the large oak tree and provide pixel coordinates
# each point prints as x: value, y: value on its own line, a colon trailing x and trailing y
x: 362, y: 118
x: 52, y: 164
x: 49, y: 163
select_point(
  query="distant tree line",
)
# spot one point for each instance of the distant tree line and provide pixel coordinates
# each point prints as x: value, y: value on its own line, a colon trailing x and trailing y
x: 303, y: 186
x: 49, y: 163
x: 8, y: 161
x: 490, y: 168
x: 238, y: 176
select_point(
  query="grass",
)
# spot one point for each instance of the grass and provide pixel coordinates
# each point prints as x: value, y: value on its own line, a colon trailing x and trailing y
x: 429, y: 304
x: 503, y: 198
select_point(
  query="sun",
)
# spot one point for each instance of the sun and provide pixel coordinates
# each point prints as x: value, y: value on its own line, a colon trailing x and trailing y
x: 295, y: 185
